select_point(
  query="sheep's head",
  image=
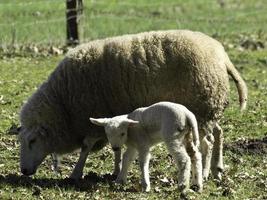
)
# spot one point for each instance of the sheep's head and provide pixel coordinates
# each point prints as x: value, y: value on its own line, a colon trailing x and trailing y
x: 33, y: 149
x: 116, y: 129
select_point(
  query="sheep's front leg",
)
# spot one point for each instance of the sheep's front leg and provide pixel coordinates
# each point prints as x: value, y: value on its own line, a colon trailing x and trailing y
x: 56, y: 163
x: 217, y: 153
x: 117, y: 167
x: 78, y: 169
x: 179, y: 153
x: 144, y: 157
x: 128, y: 157
x: 206, y: 150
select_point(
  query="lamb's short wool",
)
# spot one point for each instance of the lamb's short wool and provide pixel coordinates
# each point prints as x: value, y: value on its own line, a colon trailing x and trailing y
x: 145, y: 127
x: 117, y: 75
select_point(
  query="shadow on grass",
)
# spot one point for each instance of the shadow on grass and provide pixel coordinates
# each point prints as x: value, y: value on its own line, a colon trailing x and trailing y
x: 89, y: 182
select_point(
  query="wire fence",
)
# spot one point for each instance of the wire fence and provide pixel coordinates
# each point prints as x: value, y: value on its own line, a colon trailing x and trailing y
x: 44, y: 21
x: 27, y: 3
x: 127, y: 17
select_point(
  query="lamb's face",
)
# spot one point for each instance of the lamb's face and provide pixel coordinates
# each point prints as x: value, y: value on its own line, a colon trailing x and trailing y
x: 32, y: 150
x: 116, y: 129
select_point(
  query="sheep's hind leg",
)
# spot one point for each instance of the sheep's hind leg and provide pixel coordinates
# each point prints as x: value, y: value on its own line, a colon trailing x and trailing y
x: 206, y: 150
x: 86, y: 148
x: 179, y: 153
x: 217, y: 153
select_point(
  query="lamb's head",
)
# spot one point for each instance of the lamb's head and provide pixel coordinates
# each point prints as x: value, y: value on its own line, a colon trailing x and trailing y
x: 116, y: 129
x: 33, y: 149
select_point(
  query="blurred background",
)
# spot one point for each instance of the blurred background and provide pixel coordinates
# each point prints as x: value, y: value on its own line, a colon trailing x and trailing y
x: 32, y: 23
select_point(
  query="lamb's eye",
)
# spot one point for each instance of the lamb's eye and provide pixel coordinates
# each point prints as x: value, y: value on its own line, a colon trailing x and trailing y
x: 31, y: 142
x: 122, y: 134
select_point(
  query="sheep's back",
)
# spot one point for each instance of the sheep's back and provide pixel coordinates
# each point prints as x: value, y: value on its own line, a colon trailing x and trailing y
x: 117, y: 75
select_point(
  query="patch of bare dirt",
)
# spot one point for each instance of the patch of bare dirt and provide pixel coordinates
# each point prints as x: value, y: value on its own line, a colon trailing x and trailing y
x: 250, y: 146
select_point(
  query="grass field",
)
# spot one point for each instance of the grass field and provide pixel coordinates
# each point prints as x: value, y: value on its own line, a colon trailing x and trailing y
x: 239, y: 25
x: 43, y: 21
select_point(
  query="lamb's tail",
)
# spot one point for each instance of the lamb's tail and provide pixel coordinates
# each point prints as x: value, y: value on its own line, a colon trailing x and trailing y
x: 193, y: 123
x: 240, y: 84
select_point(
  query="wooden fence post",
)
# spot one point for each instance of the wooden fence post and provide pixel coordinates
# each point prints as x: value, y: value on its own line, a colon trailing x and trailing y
x: 72, y: 22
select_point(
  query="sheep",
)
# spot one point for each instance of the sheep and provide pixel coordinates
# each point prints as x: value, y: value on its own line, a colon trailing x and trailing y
x: 112, y: 76
x: 147, y: 126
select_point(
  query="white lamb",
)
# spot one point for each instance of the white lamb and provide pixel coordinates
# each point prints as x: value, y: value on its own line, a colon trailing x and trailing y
x: 145, y: 127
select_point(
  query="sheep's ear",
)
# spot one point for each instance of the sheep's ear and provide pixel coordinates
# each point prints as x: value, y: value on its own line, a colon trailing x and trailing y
x: 99, y: 121
x: 132, y: 123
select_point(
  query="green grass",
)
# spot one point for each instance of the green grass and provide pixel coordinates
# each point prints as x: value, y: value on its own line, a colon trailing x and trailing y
x: 246, y: 174
x: 43, y: 21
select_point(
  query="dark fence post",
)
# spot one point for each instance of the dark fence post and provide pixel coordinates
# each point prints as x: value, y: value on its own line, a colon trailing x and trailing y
x: 72, y: 23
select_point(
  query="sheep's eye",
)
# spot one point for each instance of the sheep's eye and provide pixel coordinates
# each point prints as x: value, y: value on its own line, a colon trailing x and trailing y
x: 122, y: 134
x: 31, y: 142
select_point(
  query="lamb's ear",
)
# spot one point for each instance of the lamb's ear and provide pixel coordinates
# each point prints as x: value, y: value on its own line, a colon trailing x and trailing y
x: 99, y: 121
x: 132, y: 123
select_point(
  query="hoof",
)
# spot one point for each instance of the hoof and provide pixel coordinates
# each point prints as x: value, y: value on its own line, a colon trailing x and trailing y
x: 205, y: 178
x: 217, y: 173
x: 146, y: 189
x: 183, y: 196
x: 110, y: 177
x: 120, y: 181
x: 181, y: 187
x: 70, y: 181
x: 75, y: 178
x: 196, y: 188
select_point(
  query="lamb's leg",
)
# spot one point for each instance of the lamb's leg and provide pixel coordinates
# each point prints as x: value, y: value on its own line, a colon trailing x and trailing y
x: 196, y: 161
x: 144, y: 157
x: 117, y: 167
x: 128, y: 157
x: 179, y: 153
x: 78, y: 169
x: 206, y: 150
x: 217, y: 153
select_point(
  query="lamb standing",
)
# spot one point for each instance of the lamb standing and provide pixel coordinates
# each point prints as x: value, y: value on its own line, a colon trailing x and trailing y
x: 116, y: 75
x: 164, y: 121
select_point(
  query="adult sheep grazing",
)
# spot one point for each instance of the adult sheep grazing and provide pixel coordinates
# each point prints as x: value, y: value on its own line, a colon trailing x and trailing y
x: 116, y: 75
